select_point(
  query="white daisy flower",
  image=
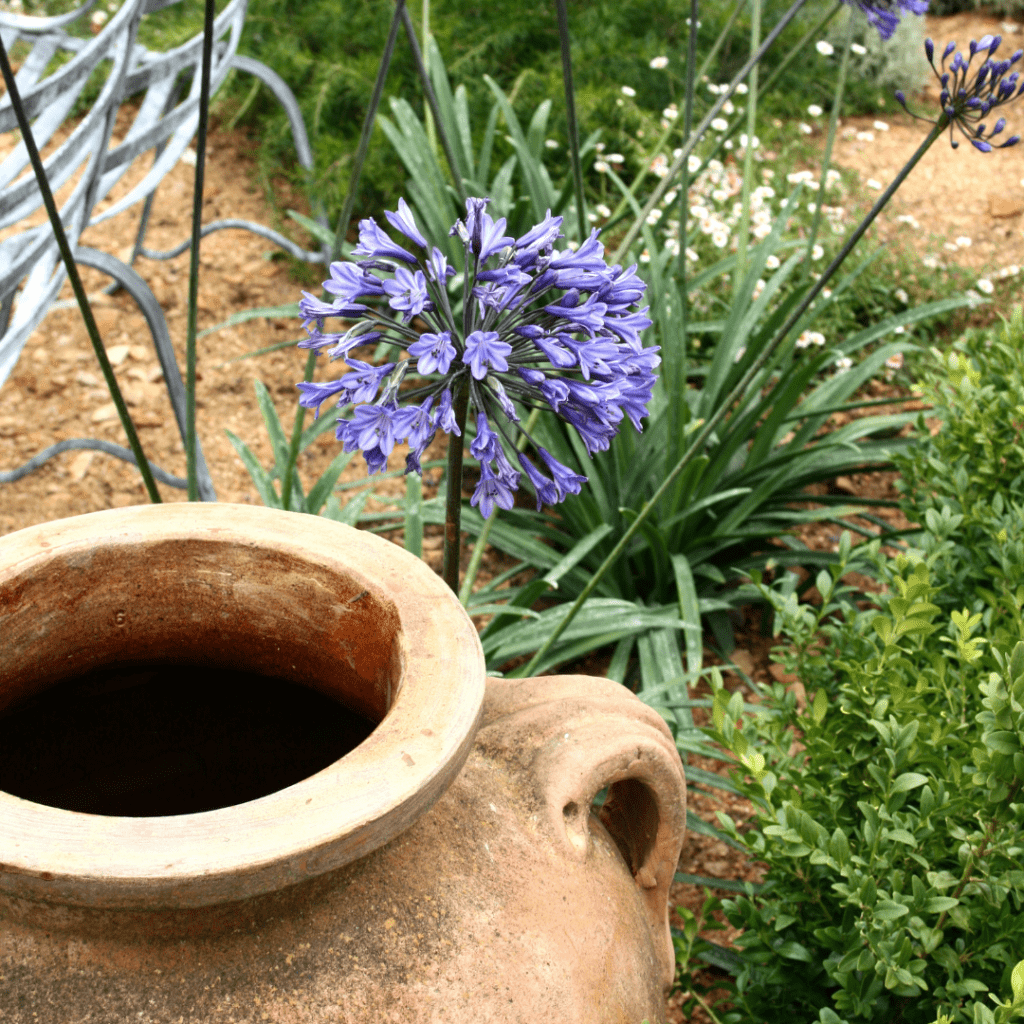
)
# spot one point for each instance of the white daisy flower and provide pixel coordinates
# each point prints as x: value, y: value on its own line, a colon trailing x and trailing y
x: 659, y: 62
x: 825, y: 48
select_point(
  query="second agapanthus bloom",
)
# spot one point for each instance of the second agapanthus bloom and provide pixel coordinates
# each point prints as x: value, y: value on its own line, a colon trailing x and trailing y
x: 543, y: 329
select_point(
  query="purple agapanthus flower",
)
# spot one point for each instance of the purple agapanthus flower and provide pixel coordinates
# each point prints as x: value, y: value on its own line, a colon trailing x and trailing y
x: 885, y: 15
x: 546, y: 328
x: 967, y: 97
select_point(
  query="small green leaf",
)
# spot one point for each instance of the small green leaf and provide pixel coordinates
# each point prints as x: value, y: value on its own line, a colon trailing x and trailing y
x: 794, y: 951
x: 937, y: 904
x: 887, y: 910
x: 908, y: 781
x: 1017, y: 982
x: 819, y: 707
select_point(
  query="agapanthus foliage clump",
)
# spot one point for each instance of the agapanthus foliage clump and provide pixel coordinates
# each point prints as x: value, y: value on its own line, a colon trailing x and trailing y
x: 968, y: 97
x: 541, y: 328
x: 885, y: 14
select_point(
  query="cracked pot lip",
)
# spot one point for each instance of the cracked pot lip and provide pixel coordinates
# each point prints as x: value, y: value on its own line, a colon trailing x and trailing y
x: 427, y: 697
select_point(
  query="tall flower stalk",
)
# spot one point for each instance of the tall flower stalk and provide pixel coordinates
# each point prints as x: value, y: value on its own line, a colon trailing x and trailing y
x: 541, y: 328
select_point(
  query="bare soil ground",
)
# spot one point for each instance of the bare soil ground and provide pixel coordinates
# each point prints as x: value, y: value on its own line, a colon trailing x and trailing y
x: 56, y: 390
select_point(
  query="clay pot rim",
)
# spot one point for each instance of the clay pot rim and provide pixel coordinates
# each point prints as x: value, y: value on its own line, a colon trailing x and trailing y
x: 332, y: 818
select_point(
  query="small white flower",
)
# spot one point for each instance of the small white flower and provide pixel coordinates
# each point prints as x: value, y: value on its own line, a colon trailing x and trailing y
x: 826, y: 293
x: 599, y: 147
x: 645, y: 257
x: 899, y: 330
x: 876, y: 185
x: 551, y: 143
x: 659, y: 62
x: 600, y: 166
x: 720, y: 239
x: 670, y: 197
x: 691, y: 255
x: 814, y: 110
x: 949, y: 247
x: 768, y: 174
x: 693, y: 163
x: 620, y: 102
x: 817, y: 252
x: 728, y: 144
x: 832, y: 176
x: 825, y: 48
x: 592, y: 217
x: 758, y: 288
x: 603, y: 210
x: 895, y: 361
x: 880, y: 126
x: 1012, y: 270
x: 755, y: 142
x: 671, y: 113
x: 761, y: 230
x: 728, y: 107
x: 720, y: 124
x: 654, y: 216
x: 986, y: 286
x: 804, y: 129
x: 628, y: 90
x: 963, y: 242
x: 909, y: 218
x: 615, y: 158
x: 719, y: 195
x: 811, y: 207
x: 818, y: 338
x: 712, y: 88
x: 902, y: 296
x: 741, y: 89
x: 843, y: 363
x: 931, y: 262
x: 772, y: 263
x: 700, y: 212
x: 98, y: 18
x: 858, y: 49
x: 188, y: 157
x: 804, y: 340
x: 865, y: 136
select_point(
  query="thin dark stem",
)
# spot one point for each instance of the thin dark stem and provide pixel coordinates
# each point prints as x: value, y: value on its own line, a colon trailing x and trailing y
x: 428, y: 92
x: 342, y: 230
x: 663, y: 185
x: 712, y: 423
x: 453, y: 498
x: 364, y: 137
x: 570, y: 116
x: 193, y: 267
x: 73, y: 275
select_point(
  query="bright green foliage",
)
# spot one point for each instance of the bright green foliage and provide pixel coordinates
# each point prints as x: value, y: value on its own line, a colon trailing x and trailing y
x: 892, y: 829
x: 978, y: 452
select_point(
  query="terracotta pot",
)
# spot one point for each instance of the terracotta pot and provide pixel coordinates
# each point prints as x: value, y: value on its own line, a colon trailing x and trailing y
x: 448, y: 868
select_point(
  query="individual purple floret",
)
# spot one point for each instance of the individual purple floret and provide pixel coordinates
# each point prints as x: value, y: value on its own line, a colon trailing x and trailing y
x: 885, y: 15
x: 967, y: 98
x: 546, y: 328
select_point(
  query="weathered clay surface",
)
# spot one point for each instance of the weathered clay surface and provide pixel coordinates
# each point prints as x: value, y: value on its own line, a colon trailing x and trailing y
x: 506, y: 901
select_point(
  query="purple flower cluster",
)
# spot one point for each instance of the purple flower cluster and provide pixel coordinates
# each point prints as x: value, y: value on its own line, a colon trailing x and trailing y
x: 885, y: 14
x: 967, y: 98
x: 542, y: 328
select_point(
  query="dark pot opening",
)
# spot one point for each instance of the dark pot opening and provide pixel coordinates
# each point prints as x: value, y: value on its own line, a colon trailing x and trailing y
x: 163, y: 739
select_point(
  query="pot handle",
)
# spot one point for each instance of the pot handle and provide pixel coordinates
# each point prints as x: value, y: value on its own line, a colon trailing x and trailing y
x: 580, y: 734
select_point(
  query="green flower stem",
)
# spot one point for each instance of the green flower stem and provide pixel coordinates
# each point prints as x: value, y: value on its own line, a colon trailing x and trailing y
x: 481, y: 542
x: 342, y: 229
x: 74, y: 278
x: 748, y: 157
x: 744, y: 382
x: 826, y: 160
x: 691, y: 61
x: 688, y: 146
x: 976, y: 855
x: 428, y: 118
x: 571, y: 123
x: 193, y: 263
x: 453, y: 497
